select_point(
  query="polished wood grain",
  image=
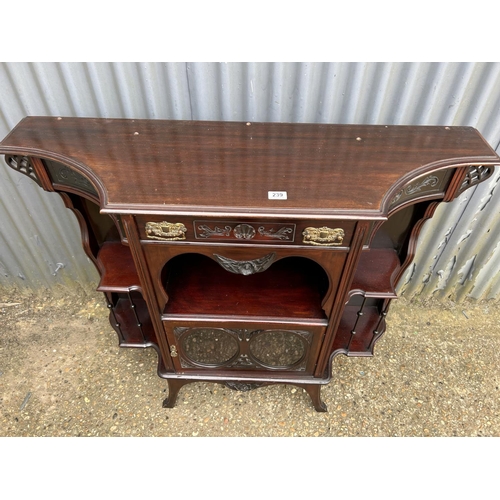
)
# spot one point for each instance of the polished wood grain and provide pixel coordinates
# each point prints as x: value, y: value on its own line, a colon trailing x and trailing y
x: 118, y: 271
x: 180, y: 165
x: 376, y: 185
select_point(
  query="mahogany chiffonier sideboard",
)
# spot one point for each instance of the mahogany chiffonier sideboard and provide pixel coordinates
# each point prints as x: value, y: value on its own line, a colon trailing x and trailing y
x: 248, y: 253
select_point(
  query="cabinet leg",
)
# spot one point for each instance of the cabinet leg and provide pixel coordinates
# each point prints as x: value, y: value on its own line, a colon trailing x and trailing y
x: 314, y: 391
x: 174, y: 386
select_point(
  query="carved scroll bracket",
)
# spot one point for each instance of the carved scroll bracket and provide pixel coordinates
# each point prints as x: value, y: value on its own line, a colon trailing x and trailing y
x: 425, y: 184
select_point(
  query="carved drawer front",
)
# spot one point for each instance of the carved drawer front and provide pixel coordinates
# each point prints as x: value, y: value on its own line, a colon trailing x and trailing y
x: 331, y: 233
x: 237, y: 347
x: 244, y: 232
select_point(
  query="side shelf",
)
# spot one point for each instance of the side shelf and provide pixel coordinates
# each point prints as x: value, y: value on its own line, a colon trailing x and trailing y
x: 372, y: 288
x: 130, y: 319
x: 374, y: 276
x: 357, y: 333
x: 118, y: 272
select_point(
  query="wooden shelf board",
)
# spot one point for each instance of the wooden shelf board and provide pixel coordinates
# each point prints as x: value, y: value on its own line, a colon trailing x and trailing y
x: 375, y: 271
x: 119, y: 273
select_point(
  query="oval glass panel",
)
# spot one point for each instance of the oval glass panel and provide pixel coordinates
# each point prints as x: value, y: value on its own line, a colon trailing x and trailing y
x: 209, y: 346
x: 278, y: 348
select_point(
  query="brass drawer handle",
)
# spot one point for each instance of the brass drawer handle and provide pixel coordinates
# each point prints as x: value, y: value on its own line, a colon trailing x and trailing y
x: 173, y: 351
x: 166, y: 231
x: 323, y: 236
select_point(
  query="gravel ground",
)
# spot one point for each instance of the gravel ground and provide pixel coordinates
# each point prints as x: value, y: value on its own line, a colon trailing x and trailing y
x: 435, y: 373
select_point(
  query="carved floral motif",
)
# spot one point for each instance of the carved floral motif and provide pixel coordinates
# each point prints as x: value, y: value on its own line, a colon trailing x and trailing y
x: 281, y: 234
x: 244, y: 232
x: 68, y: 176
x: 205, y: 231
x: 429, y: 182
x: 213, y: 347
x: 426, y: 184
x: 240, y: 386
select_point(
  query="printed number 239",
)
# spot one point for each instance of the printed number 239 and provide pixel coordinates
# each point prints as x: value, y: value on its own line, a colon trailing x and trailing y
x: 276, y: 195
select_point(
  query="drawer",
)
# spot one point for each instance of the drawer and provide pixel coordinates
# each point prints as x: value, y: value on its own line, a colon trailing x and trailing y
x: 330, y: 233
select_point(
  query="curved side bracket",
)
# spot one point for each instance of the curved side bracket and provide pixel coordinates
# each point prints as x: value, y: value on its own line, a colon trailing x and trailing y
x: 89, y: 246
x: 63, y: 175
x: 64, y: 171
x: 432, y: 185
x: 435, y: 180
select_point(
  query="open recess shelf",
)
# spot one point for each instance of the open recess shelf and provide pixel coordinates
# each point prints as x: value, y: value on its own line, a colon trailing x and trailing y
x: 291, y: 288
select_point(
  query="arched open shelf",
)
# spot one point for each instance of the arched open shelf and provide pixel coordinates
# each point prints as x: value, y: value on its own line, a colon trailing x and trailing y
x: 291, y: 288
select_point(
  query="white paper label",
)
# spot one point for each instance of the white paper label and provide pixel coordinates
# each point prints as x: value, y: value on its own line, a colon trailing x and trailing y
x: 276, y: 195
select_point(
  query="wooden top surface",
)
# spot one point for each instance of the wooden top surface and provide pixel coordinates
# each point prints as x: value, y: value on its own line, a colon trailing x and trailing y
x: 226, y: 167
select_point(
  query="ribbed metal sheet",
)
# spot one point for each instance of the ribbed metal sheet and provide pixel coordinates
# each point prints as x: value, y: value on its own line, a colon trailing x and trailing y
x: 458, y: 254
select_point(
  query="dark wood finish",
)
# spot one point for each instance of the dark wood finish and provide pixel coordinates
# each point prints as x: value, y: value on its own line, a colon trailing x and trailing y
x: 248, y: 254
x: 134, y: 328
x: 42, y: 174
x: 262, y: 230
x: 366, y: 332
x: 343, y: 289
x: 375, y: 273
x: 89, y: 241
x: 145, y: 278
x: 157, y: 256
x: 291, y: 288
x: 245, y: 349
x: 177, y: 165
x: 118, y: 271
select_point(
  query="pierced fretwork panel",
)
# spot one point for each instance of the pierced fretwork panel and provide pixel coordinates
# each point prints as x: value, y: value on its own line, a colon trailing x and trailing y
x: 475, y: 175
x: 22, y: 164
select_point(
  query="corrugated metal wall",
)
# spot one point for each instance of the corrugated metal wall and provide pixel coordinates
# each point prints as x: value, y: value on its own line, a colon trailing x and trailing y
x: 458, y: 254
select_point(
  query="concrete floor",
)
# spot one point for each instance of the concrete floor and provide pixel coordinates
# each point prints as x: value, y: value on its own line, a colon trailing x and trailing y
x: 436, y: 372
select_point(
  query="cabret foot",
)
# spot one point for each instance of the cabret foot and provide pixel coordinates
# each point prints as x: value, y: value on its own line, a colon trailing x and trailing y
x: 314, y: 391
x: 174, y: 386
